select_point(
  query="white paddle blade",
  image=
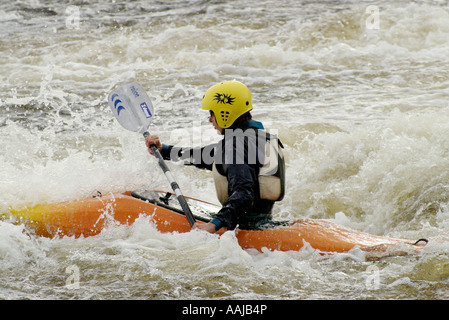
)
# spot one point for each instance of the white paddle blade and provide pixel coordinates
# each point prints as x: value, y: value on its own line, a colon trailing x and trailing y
x: 131, y: 106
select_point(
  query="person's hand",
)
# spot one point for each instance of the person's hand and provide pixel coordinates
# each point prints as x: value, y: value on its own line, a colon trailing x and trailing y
x: 209, y: 227
x: 150, y: 140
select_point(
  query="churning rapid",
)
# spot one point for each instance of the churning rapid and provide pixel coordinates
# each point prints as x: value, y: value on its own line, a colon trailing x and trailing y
x: 356, y: 90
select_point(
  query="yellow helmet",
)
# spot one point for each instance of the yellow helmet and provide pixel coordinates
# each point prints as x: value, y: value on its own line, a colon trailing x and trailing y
x: 228, y: 100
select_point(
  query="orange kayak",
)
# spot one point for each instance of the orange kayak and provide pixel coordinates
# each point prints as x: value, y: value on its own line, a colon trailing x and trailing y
x: 88, y: 217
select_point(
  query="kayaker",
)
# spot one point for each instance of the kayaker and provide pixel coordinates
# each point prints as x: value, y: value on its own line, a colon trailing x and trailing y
x: 248, y: 165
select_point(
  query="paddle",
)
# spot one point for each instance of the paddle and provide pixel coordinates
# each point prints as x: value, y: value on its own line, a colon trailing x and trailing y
x: 133, y: 109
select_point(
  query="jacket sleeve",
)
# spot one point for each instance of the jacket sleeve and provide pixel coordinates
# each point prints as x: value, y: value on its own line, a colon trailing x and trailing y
x: 242, y: 182
x: 241, y: 185
x: 201, y: 158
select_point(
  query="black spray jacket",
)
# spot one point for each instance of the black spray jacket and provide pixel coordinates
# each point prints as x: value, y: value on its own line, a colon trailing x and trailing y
x: 238, y: 157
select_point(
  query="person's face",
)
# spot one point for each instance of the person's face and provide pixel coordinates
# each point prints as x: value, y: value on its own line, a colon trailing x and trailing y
x: 214, y: 123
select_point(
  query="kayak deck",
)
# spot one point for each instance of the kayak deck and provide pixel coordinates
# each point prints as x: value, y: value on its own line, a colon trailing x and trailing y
x: 88, y: 217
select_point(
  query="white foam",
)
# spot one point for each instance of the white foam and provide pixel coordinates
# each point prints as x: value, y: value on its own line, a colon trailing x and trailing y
x: 362, y: 114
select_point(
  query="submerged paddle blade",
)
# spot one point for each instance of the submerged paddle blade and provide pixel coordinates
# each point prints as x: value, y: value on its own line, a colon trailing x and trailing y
x: 131, y: 106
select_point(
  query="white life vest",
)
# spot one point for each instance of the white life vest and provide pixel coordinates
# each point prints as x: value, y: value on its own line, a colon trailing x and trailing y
x: 271, y: 175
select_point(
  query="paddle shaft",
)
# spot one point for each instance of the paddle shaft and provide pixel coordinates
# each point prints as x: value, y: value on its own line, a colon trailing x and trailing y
x: 174, y: 185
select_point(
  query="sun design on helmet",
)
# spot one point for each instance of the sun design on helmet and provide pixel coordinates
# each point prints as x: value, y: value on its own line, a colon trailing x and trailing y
x: 224, y: 98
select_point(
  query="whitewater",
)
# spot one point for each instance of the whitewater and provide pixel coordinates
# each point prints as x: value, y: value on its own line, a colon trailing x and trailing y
x: 356, y: 90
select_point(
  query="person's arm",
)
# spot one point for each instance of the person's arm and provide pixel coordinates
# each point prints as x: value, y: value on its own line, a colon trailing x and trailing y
x: 201, y: 158
x: 241, y: 185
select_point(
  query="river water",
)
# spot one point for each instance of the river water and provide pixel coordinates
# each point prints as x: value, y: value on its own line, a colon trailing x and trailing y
x: 356, y: 90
